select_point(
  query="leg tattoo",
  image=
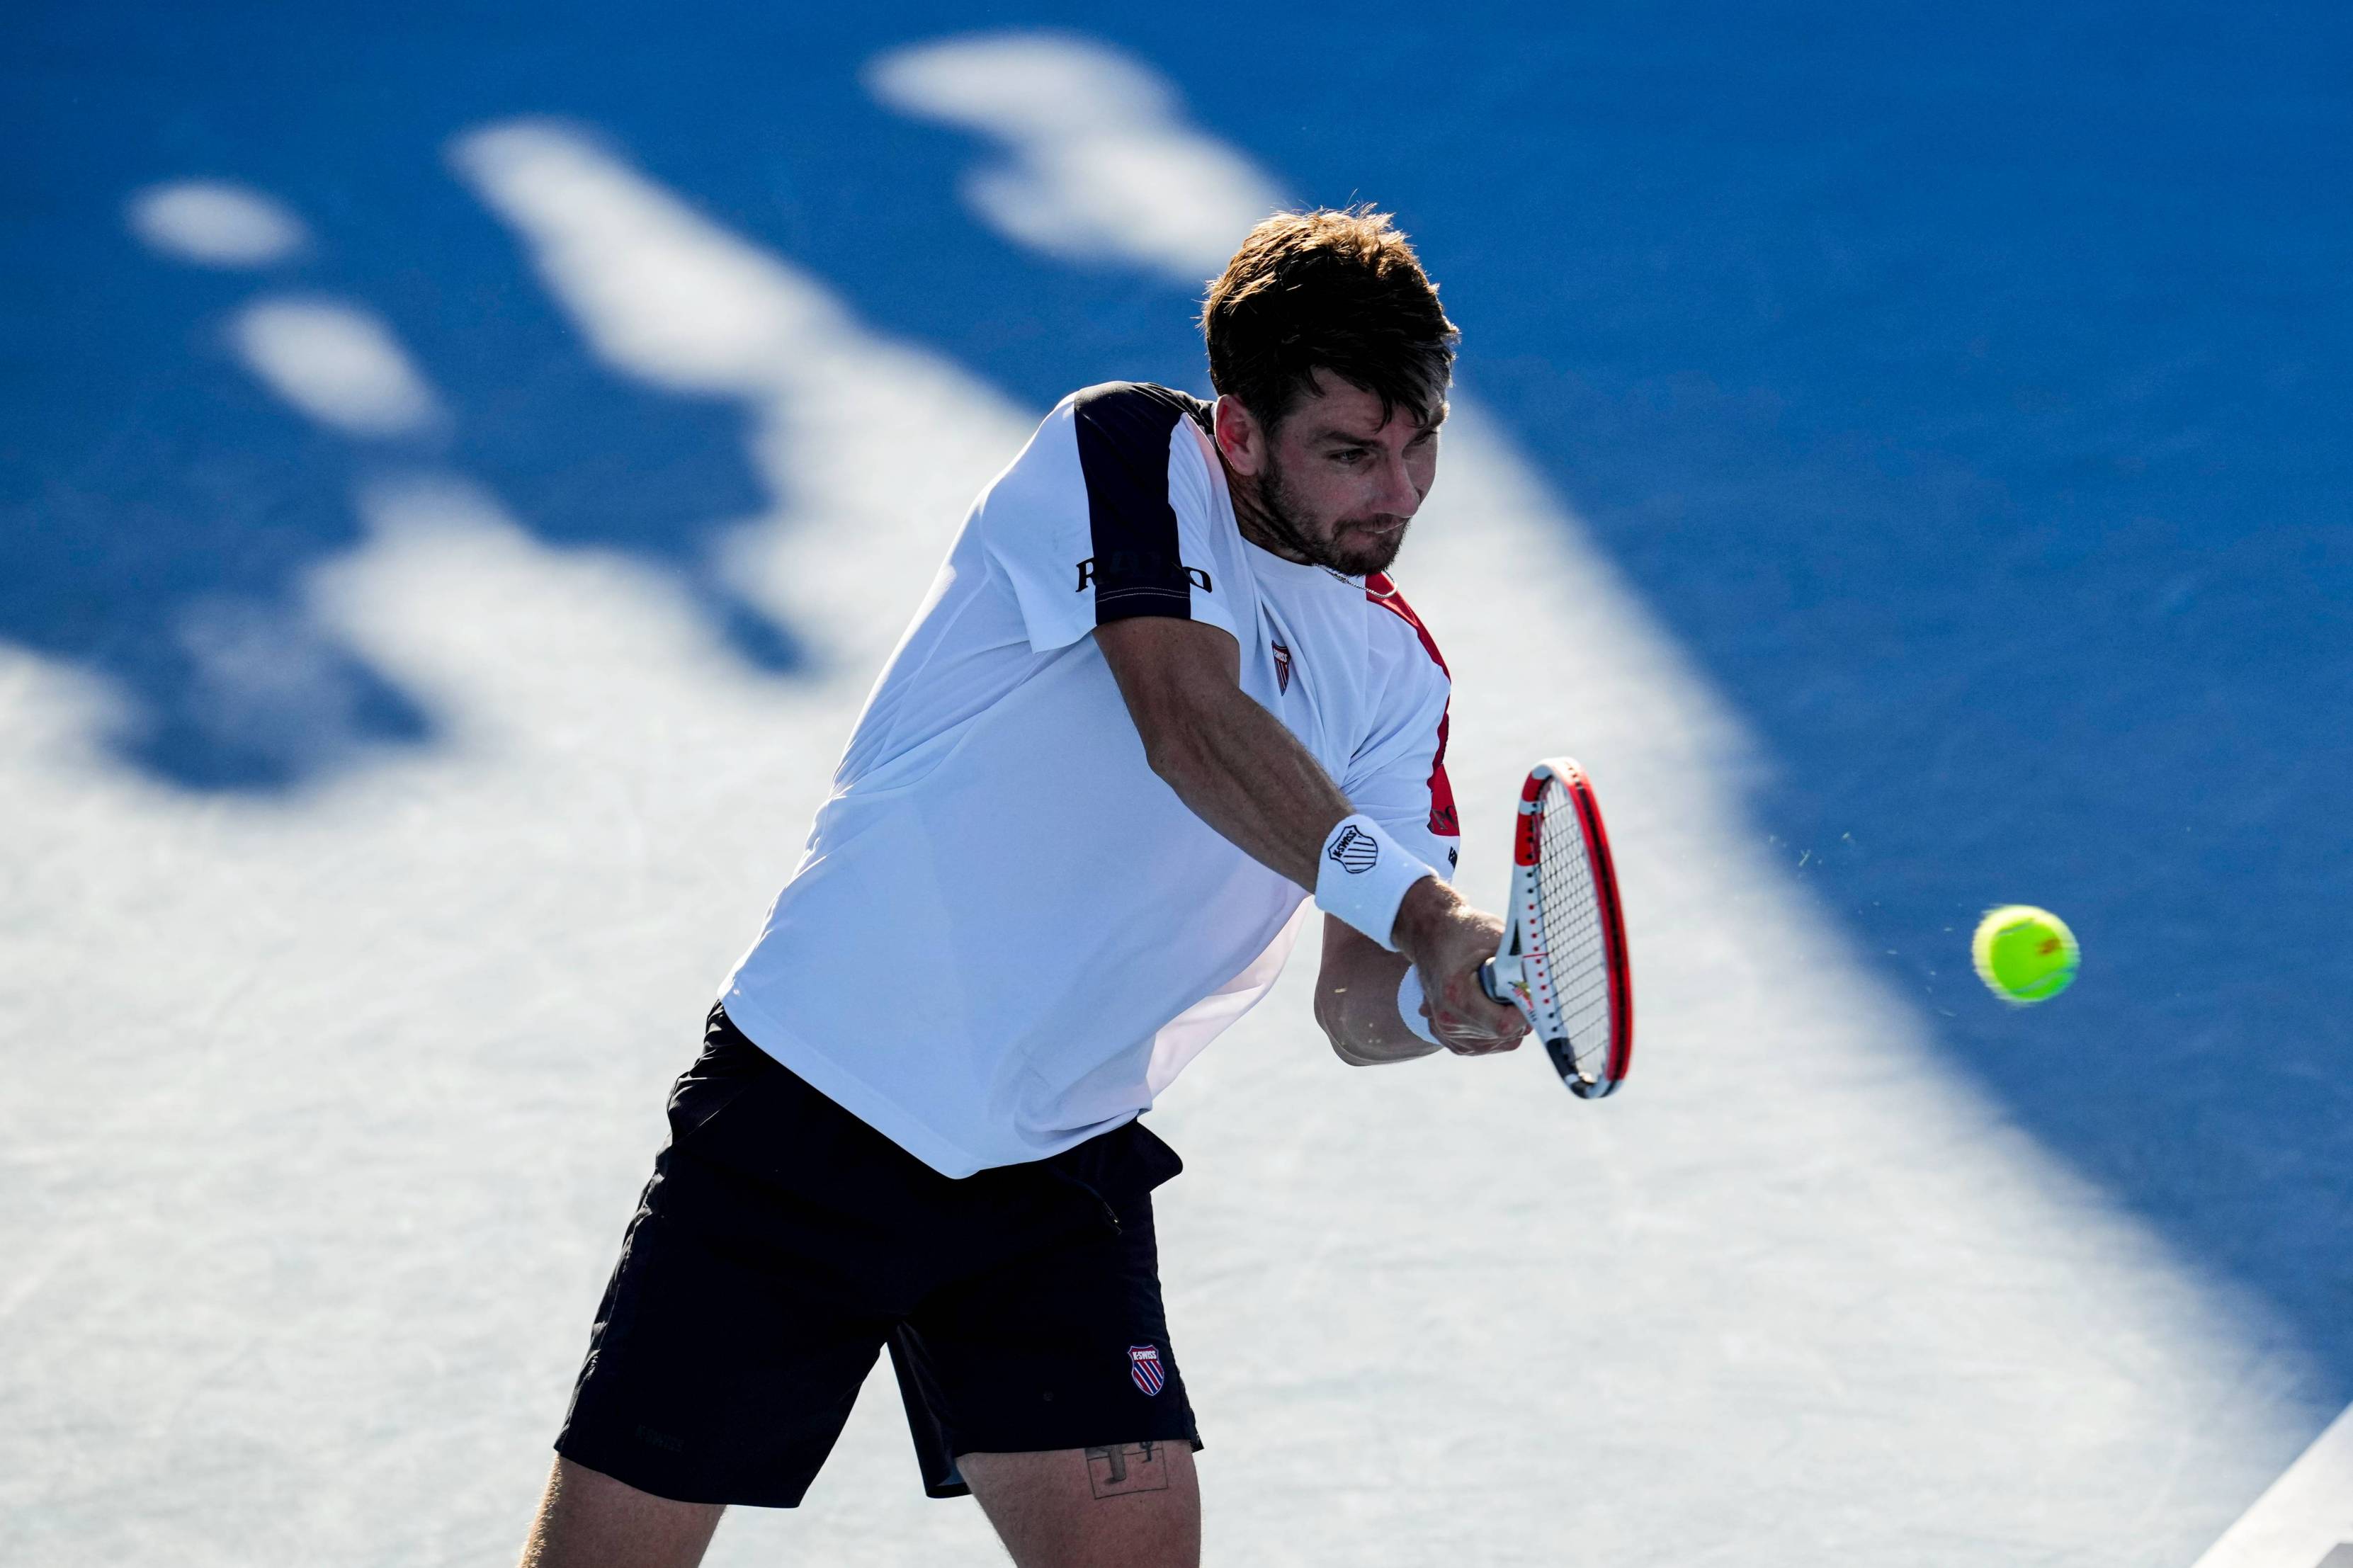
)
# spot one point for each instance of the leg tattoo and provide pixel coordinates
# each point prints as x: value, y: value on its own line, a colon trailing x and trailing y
x: 1129, y: 1467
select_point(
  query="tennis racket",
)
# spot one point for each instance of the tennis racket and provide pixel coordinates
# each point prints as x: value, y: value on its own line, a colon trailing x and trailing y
x: 1562, y: 958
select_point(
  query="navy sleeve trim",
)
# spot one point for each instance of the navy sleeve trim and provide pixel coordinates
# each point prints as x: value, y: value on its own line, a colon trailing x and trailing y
x: 1124, y: 430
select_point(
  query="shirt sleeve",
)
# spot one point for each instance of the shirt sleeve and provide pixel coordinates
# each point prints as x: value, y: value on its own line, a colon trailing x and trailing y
x: 1107, y: 514
x: 1397, y: 776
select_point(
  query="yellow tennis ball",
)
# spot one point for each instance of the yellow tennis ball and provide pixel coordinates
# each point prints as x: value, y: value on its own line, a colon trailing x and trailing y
x: 2024, y: 955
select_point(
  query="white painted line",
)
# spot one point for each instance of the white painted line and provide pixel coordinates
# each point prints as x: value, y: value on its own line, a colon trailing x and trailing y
x: 2305, y: 1519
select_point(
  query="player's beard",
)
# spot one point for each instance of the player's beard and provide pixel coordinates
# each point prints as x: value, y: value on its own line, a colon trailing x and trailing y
x: 1357, y: 556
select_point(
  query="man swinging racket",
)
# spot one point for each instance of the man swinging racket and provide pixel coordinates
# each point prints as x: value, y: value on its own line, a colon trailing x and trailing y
x: 1160, y: 691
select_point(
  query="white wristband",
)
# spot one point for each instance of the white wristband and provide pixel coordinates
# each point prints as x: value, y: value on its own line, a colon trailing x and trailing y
x: 1409, y: 999
x: 1362, y: 875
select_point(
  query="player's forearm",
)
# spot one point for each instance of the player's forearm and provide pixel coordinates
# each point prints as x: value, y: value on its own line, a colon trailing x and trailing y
x: 1230, y: 760
x: 1239, y: 770
x: 1357, y: 1010
x: 1381, y: 1048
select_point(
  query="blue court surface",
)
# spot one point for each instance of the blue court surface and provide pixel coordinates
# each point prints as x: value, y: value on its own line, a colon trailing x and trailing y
x: 464, y: 467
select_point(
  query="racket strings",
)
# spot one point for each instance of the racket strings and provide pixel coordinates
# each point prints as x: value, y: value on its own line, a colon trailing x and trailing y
x: 1571, y: 935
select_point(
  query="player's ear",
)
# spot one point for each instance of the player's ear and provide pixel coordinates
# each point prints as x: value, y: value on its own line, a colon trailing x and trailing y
x: 1242, y: 439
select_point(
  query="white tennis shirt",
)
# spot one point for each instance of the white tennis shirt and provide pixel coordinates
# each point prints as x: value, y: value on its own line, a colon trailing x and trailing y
x: 1007, y: 935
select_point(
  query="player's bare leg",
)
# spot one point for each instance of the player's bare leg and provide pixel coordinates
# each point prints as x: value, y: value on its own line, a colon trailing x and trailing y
x: 588, y: 1519
x: 1135, y: 1506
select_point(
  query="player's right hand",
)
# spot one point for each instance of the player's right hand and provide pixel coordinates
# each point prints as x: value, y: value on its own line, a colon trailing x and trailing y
x: 1446, y: 940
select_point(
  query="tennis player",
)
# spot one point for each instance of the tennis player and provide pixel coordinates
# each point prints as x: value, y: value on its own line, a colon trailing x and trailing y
x: 1162, y: 691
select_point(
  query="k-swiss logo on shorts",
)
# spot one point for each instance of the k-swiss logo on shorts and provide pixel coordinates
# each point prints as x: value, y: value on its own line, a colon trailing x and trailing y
x: 1282, y: 668
x: 1144, y: 1366
x: 1355, y: 850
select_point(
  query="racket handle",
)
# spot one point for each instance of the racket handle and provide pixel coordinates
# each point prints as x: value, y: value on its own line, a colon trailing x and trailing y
x: 1488, y: 983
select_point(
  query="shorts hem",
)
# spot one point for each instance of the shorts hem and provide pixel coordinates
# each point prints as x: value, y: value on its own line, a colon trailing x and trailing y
x: 1193, y: 1439
x: 956, y: 1486
x: 630, y: 1471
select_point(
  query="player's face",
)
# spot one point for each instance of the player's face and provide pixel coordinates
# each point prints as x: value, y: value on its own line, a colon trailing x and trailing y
x: 1339, y: 482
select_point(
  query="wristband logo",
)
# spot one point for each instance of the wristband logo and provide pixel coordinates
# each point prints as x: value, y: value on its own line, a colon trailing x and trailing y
x: 1355, y: 850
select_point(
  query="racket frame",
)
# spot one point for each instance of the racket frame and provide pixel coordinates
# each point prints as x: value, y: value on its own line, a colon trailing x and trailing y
x: 1522, y: 975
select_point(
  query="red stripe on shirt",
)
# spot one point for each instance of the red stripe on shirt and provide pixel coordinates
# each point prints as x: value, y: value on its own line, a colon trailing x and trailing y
x: 1384, y: 592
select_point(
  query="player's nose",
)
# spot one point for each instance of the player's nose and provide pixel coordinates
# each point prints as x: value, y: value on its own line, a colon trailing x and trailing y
x: 1398, y: 496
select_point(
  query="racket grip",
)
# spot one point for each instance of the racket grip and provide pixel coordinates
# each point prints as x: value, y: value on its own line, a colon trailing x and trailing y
x: 1489, y: 983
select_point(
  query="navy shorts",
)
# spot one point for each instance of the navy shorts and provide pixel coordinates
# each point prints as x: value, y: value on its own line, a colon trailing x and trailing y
x: 782, y: 1243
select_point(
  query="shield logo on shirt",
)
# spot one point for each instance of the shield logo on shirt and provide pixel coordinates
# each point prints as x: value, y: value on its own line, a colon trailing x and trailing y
x: 1282, y: 668
x: 1143, y: 1366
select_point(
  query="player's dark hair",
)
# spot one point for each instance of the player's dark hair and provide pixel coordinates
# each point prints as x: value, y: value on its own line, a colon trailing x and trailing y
x: 1334, y: 290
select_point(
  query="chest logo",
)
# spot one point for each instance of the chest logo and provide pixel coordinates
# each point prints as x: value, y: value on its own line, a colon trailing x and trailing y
x: 1139, y: 569
x: 1282, y: 668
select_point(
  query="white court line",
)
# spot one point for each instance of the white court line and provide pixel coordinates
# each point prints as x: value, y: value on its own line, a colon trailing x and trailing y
x: 2306, y: 1519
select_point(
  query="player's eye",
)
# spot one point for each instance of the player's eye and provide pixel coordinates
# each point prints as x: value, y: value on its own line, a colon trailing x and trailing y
x: 1350, y: 456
